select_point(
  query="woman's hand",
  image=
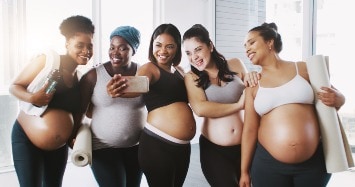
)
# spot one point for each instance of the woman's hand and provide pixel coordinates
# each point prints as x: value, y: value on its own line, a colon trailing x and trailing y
x: 71, y: 142
x: 41, y: 98
x: 251, y: 79
x: 244, y: 180
x: 331, y: 97
x: 116, y: 85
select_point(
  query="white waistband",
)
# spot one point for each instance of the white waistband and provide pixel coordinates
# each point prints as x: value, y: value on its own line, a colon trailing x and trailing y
x: 164, y: 135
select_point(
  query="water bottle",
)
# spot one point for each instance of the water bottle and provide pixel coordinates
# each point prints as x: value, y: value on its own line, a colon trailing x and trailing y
x: 52, y: 80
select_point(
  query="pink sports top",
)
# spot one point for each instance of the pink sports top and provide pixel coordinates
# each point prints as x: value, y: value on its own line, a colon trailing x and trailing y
x: 297, y: 90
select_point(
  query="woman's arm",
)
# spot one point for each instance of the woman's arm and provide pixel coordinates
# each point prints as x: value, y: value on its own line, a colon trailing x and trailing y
x: 236, y: 65
x: 204, y: 108
x: 249, y: 137
x: 149, y: 70
x: 329, y: 96
x: 250, y: 79
x: 19, y: 86
x: 87, y: 84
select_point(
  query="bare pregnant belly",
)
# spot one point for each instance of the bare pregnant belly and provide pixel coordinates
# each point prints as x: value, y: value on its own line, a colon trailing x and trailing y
x: 291, y: 134
x: 224, y: 131
x: 50, y: 131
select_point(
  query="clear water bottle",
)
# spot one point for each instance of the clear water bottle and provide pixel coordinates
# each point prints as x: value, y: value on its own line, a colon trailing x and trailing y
x: 52, y: 80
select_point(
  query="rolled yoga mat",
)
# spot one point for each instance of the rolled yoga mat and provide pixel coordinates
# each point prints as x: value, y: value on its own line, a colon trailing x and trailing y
x: 335, y: 144
x: 82, y: 150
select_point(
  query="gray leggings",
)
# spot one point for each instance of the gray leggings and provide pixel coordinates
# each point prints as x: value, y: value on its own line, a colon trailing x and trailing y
x: 266, y: 171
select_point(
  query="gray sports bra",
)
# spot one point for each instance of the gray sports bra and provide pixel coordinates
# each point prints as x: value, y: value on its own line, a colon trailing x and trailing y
x: 229, y: 93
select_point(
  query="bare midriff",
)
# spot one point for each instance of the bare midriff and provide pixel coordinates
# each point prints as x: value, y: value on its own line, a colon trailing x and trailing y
x: 224, y: 131
x: 290, y: 133
x: 176, y: 120
x: 50, y: 131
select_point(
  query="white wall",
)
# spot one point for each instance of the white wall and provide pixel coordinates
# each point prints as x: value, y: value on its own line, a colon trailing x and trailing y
x: 227, y: 21
x: 185, y: 13
x: 233, y: 20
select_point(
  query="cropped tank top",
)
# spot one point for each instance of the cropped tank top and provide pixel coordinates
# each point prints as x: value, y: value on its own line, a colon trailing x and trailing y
x: 229, y: 93
x: 66, y: 98
x: 170, y: 88
x: 297, y: 90
x: 116, y: 122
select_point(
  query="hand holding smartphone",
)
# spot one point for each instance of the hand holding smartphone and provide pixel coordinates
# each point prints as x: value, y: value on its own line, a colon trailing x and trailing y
x: 136, y: 84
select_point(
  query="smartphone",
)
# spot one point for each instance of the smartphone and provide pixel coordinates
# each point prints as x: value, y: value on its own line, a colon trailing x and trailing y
x: 136, y: 84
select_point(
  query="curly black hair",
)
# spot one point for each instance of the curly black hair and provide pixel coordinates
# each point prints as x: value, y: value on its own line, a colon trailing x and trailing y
x: 74, y: 24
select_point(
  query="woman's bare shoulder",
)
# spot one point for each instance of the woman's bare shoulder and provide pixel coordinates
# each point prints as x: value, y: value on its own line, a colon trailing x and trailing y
x: 302, y: 69
x: 236, y: 65
x: 191, y: 76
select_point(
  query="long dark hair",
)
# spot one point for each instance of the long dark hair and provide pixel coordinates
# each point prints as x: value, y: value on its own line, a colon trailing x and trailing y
x: 201, y: 34
x: 173, y: 31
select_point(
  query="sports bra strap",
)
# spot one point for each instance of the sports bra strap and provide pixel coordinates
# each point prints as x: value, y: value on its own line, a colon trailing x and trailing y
x: 296, y: 73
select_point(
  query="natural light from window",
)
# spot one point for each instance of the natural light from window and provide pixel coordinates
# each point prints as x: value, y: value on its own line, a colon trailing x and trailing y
x: 333, y: 40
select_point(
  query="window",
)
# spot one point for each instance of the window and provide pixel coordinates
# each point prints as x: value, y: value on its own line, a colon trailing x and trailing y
x: 27, y: 31
x: 333, y: 39
x: 11, y: 40
x: 29, y: 26
x: 291, y: 28
x: 11, y: 52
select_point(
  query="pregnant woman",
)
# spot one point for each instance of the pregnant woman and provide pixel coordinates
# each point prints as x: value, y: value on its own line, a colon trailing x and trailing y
x: 39, y: 141
x: 281, y: 141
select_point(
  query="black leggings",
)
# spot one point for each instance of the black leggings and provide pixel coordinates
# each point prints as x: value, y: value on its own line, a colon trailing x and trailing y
x: 164, y: 163
x: 35, y: 167
x: 116, y: 167
x: 266, y: 171
x: 220, y: 164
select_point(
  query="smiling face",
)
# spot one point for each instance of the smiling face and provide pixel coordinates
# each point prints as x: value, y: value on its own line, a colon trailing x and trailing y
x: 256, y: 47
x: 80, y: 47
x: 164, y: 49
x: 120, y: 52
x: 198, y: 53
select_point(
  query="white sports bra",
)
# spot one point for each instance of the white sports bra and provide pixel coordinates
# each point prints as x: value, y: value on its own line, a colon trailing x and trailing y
x: 297, y: 90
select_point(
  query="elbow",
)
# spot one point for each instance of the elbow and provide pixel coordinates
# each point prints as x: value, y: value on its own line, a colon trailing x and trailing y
x: 198, y: 111
x: 15, y: 89
x: 199, y: 114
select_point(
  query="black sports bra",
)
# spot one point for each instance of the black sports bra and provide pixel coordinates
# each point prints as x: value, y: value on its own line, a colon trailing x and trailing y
x: 66, y: 98
x: 169, y: 88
